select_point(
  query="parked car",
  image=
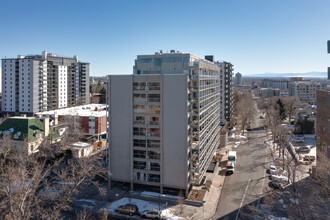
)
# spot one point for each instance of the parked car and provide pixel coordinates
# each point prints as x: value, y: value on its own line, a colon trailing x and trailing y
x: 152, y: 214
x: 280, y: 179
x: 299, y: 138
x: 272, y: 169
x: 249, y: 127
x: 309, y: 158
x: 262, y: 117
x: 305, y: 149
x: 276, y: 185
x: 128, y: 209
x: 230, y: 168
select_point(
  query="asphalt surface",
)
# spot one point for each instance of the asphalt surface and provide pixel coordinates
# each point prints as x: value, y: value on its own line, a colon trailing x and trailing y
x: 243, y: 189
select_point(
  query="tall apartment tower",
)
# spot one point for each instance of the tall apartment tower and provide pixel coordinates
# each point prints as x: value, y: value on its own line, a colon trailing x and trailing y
x: 306, y: 90
x: 36, y: 83
x: 164, y: 120
x: 226, y: 91
x: 238, y: 79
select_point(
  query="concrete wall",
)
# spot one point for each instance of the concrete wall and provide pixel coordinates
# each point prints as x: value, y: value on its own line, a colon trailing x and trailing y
x: 174, y: 130
x: 121, y: 127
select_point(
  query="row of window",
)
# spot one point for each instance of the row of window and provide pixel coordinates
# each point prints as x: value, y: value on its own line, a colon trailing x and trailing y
x: 146, y: 154
x: 146, y: 177
x: 146, y: 143
x: 140, y: 165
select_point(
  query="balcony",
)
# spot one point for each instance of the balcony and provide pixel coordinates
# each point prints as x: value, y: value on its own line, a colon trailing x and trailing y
x: 194, y: 123
x: 195, y: 111
x: 194, y: 167
x: 153, y: 100
x: 153, y: 134
x: 153, y: 122
x: 194, y: 134
x: 194, y: 145
x: 194, y: 156
x: 153, y: 88
x: 139, y: 122
x: 194, y: 100
x: 139, y: 88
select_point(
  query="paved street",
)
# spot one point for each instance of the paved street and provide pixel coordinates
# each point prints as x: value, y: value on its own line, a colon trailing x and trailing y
x: 242, y: 189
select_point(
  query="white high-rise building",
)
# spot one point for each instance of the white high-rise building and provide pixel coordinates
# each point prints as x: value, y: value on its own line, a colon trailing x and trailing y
x: 164, y: 120
x: 36, y: 83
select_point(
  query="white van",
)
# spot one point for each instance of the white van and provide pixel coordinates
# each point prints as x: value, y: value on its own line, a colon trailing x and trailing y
x: 232, y: 156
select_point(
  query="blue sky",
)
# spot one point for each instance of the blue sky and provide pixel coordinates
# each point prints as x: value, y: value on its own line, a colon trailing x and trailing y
x: 257, y: 36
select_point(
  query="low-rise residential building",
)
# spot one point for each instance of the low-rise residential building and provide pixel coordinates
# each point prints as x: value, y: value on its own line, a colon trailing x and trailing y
x: 269, y: 92
x: 275, y: 83
x: 164, y: 120
x: 28, y: 132
x: 89, y: 120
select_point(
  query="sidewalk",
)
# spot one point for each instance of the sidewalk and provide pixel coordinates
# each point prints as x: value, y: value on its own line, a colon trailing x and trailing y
x: 212, y: 196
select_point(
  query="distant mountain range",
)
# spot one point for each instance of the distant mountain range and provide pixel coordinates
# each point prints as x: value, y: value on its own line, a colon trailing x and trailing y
x: 308, y: 74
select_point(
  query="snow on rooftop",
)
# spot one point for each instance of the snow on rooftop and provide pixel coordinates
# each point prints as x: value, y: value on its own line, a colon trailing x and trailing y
x: 83, y: 110
x: 80, y: 144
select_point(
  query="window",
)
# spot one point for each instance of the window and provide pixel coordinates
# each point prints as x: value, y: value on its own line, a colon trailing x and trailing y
x: 153, y: 155
x: 139, y: 165
x: 155, y: 166
x: 139, y: 143
x: 139, y: 154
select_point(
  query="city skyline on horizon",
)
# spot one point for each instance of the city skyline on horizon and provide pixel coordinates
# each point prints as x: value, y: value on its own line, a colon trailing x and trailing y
x: 269, y: 37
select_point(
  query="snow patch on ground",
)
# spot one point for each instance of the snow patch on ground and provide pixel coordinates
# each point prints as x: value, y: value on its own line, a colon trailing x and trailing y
x: 143, y: 205
x: 87, y: 200
x: 154, y: 194
x: 296, y: 201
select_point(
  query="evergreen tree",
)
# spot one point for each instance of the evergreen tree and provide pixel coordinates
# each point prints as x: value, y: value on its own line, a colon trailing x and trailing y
x: 103, y: 96
x: 280, y: 108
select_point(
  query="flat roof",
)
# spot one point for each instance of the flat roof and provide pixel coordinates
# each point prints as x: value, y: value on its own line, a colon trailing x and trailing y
x: 80, y: 144
x: 83, y: 110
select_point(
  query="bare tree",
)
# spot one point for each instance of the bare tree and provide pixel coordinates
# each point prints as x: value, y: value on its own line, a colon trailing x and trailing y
x: 289, y: 104
x: 40, y: 186
x: 245, y: 109
x: 180, y: 201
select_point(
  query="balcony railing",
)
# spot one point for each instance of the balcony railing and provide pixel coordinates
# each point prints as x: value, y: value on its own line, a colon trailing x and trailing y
x: 153, y: 100
x: 139, y: 88
x: 139, y: 122
x: 194, y: 157
x: 153, y: 88
x: 153, y: 122
x: 194, y: 145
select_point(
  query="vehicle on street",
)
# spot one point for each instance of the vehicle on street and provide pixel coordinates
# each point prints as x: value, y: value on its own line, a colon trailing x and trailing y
x: 309, y: 158
x: 249, y: 127
x: 262, y: 117
x: 276, y: 185
x: 152, y: 214
x: 232, y: 157
x: 272, y: 170
x: 280, y: 179
x: 299, y: 138
x: 230, y: 167
x: 128, y: 209
x: 303, y: 149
